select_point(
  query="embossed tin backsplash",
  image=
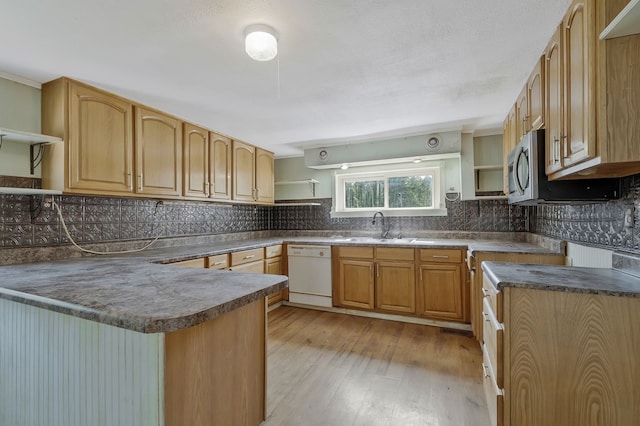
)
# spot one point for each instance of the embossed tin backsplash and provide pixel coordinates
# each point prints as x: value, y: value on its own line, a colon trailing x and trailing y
x: 107, y: 219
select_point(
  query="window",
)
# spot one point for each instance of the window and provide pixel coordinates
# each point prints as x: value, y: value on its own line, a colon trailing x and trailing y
x: 397, y: 190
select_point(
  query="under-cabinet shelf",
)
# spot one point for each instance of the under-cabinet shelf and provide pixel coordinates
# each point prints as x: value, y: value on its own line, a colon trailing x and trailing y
x: 28, y: 191
x: 489, y: 167
x: 626, y: 23
x: 311, y: 182
x: 296, y: 204
x: 27, y: 137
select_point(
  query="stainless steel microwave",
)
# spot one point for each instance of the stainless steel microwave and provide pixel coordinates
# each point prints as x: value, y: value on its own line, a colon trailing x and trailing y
x: 528, y: 183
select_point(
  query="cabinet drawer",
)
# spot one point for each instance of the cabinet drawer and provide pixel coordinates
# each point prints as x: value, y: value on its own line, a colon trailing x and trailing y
x: 273, y: 251
x: 493, y: 394
x: 357, y: 252
x: 193, y: 263
x: 246, y: 256
x: 441, y: 255
x: 493, y: 334
x: 251, y: 267
x: 494, y: 297
x: 220, y: 261
x: 387, y: 253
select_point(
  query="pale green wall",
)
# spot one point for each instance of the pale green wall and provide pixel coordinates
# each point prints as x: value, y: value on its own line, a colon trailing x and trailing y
x: 291, y: 169
x: 19, y: 110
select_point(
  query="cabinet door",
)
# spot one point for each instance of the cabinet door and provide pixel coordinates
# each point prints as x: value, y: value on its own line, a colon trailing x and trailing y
x: 440, y: 291
x: 196, y: 161
x: 553, y: 97
x: 252, y: 267
x: 220, y: 167
x: 100, y: 142
x: 535, y: 93
x: 274, y: 266
x: 244, y: 159
x: 396, y: 286
x: 522, y: 115
x: 264, y: 176
x: 158, y: 153
x: 506, y: 149
x: 579, y: 95
x: 355, y: 283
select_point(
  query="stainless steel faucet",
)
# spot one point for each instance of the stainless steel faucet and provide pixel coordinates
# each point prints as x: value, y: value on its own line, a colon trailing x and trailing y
x: 385, y: 229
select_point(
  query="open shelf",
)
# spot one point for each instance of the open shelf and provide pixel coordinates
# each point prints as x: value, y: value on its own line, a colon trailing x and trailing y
x: 27, y: 137
x: 626, y: 23
x: 28, y: 191
x: 296, y: 204
x: 311, y: 182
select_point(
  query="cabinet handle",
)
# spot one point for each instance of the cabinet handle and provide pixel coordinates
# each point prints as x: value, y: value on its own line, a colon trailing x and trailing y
x: 485, y: 292
x: 210, y: 184
x: 377, y: 270
x: 485, y: 316
x: 251, y: 256
x: 206, y: 188
x: 439, y: 256
x: 130, y: 178
x: 140, y: 182
x: 485, y: 371
x: 219, y: 263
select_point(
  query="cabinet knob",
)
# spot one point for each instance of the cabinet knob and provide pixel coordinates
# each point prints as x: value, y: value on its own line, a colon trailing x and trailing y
x: 485, y: 292
x: 485, y: 371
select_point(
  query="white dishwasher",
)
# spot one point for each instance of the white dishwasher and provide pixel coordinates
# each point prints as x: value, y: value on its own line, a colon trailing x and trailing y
x: 310, y: 275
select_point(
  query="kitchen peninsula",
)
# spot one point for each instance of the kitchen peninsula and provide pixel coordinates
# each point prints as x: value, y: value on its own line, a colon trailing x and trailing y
x: 122, y: 340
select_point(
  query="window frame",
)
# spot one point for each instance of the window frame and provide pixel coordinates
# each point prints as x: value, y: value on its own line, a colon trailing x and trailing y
x: 437, y: 209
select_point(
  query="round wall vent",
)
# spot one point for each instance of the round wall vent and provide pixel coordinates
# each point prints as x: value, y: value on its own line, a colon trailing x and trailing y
x: 323, y: 154
x: 432, y: 143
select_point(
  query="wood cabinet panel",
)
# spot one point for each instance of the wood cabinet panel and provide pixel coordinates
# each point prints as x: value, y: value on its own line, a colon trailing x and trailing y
x: 579, y: 93
x: 193, y: 263
x: 256, y: 267
x: 220, y: 261
x: 205, y: 385
x: 440, y: 291
x: 219, y: 167
x: 523, y: 125
x: 391, y: 253
x: 554, y: 87
x: 265, y: 176
x: 196, y: 161
x: 441, y: 255
x: 158, y: 142
x: 246, y: 256
x: 493, y: 395
x: 535, y: 94
x: 244, y: 158
x: 571, y: 358
x: 357, y: 252
x: 395, y: 288
x: 356, y: 283
x: 273, y: 265
x: 273, y: 251
x: 97, y: 129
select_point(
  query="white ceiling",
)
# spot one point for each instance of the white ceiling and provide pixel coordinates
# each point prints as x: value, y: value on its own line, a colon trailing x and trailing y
x: 349, y: 70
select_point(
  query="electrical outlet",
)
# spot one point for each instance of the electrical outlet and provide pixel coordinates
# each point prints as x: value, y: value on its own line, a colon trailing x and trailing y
x: 629, y: 220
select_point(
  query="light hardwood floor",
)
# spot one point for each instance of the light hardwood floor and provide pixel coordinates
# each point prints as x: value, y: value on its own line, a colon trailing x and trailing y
x: 334, y: 369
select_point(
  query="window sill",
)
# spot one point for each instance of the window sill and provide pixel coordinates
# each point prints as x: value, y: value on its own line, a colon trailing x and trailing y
x: 392, y: 213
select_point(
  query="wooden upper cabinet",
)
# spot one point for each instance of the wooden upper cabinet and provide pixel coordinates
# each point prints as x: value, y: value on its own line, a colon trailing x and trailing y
x: 554, y: 86
x: 264, y: 176
x: 196, y: 161
x: 522, y: 115
x: 535, y: 95
x: 244, y: 160
x: 579, y: 93
x: 219, y: 167
x: 158, y: 142
x: 253, y: 173
x: 97, y: 154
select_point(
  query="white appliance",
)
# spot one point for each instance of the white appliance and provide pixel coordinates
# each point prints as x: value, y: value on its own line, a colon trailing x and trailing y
x: 310, y: 275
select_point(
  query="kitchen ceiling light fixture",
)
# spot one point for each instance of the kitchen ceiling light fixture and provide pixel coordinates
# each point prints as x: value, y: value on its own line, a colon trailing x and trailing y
x: 260, y: 42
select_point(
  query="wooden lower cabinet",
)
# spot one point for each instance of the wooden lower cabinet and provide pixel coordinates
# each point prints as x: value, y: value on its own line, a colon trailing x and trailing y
x: 215, y: 372
x: 566, y: 358
x: 193, y: 263
x: 440, y: 291
x: 273, y: 264
x: 475, y: 259
x: 356, y: 283
x: 380, y: 279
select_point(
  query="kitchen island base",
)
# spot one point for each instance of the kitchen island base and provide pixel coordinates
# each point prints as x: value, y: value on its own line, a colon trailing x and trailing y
x: 61, y: 370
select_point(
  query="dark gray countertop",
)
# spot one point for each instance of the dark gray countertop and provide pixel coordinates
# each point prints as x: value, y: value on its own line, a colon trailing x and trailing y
x: 141, y: 292
x: 610, y: 282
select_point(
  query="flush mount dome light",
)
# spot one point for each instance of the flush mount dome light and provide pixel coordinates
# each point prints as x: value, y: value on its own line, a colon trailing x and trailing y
x: 260, y: 42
